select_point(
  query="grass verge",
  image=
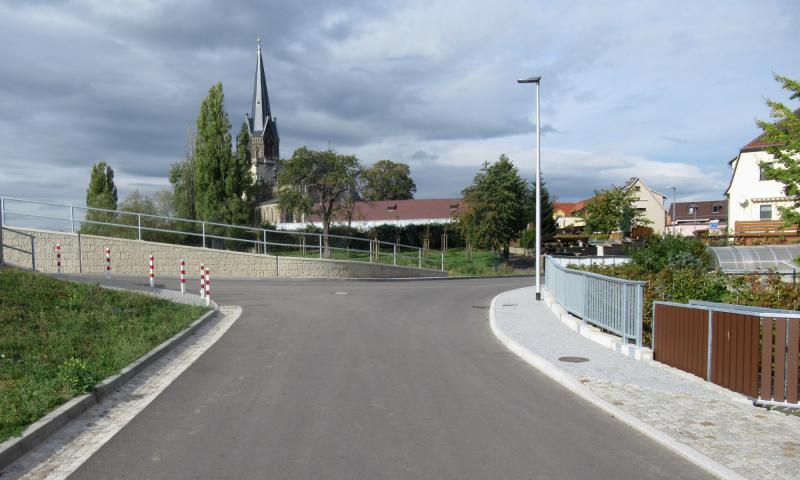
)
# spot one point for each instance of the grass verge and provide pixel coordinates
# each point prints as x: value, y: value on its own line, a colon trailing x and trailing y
x: 59, y: 338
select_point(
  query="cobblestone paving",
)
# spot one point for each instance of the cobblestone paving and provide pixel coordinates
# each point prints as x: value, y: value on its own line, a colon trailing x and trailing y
x: 723, y: 425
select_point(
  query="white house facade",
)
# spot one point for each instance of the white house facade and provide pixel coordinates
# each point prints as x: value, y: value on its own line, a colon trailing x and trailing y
x: 751, y: 197
x: 650, y: 203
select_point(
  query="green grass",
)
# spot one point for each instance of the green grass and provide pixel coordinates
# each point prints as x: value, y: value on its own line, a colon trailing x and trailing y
x: 58, y: 339
x: 482, y: 263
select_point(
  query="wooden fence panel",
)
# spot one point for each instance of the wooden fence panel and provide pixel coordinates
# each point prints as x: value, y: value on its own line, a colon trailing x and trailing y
x: 735, y: 342
x: 765, y: 388
x: 791, y: 363
x: 780, y: 359
x: 681, y: 338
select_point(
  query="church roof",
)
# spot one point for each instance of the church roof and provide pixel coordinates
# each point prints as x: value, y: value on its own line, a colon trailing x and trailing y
x: 259, y: 111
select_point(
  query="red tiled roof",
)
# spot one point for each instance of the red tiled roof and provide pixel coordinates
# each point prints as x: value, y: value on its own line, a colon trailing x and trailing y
x: 417, y: 209
x: 569, y: 208
x: 758, y: 143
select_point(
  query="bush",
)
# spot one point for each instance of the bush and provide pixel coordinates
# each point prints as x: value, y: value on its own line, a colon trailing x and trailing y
x: 671, y: 251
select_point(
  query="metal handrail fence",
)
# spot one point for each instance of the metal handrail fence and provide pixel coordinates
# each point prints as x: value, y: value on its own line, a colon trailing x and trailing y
x: 31, y: 252
x: 751, y: 350
x: 613, y: 304
x: 165, y: 229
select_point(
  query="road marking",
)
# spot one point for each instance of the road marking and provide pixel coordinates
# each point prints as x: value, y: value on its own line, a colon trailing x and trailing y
x: 70, y: 447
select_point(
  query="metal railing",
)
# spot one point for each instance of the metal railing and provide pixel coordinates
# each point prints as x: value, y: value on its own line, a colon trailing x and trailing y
x: 140, y: 226
x: 613, y: 304
x: 3, y: 246
x: 566, y: 260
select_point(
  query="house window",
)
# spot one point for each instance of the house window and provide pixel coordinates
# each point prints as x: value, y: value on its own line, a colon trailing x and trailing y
x: 637, y: 188
x: 692, y: 209
x: 761, y: 175
x: 392, y: 208
x: 766, y: 212
x: 716, y: 208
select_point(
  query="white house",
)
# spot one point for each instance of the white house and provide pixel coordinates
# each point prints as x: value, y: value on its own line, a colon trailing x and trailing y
x: 649, y: 202
x: 750, y: 196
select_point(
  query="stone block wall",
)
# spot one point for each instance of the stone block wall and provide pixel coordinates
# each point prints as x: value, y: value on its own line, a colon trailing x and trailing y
x: 86, y: 254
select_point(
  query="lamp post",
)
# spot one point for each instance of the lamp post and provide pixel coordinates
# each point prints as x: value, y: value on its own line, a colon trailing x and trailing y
x: 674, y: 209
x: 538, y: 251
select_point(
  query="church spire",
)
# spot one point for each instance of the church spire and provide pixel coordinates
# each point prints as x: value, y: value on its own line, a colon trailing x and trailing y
x: 259, y: 112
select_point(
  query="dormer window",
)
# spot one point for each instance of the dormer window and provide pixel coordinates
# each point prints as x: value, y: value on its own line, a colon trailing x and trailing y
x: 692, y: 209
x: 453, y: 207
x: 716, y: 208
x: 392, y: 208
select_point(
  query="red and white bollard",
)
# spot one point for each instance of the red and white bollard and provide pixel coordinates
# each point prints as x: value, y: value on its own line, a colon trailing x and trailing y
x: 108, y: 263
x: 58, y: 258
x: 202, y: 281
x: 183, y: 276
x: 152, y: 272
x: 208, y: 288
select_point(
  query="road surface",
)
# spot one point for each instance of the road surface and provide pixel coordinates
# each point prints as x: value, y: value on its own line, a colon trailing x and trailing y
x: 323, y: 379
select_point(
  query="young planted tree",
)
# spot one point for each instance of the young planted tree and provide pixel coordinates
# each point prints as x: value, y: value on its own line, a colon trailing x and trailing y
x: 612, y: 210
x: 102, y: 193
x: 388, y: 180
x: 318, y: 182
x: 783, y: 133
x: 495, y: 207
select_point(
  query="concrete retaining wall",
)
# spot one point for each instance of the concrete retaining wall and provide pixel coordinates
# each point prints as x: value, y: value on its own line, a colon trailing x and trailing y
x: 85, y: 254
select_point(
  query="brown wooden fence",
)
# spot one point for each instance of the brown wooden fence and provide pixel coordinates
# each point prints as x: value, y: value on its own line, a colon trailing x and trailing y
x: 731, y: 356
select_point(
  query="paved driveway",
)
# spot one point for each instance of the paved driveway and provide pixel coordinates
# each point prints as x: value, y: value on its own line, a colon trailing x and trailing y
x: 368, y: 380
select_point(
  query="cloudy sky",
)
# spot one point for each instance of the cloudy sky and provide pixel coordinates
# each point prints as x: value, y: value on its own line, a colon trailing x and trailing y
x: 667, y: 91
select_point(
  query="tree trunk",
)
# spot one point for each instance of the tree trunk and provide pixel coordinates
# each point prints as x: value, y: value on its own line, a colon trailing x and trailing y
x: 506, y: 253
x: 325, y: 227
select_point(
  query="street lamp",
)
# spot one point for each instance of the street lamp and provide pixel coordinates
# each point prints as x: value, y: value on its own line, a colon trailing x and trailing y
x: 674, y: 209
x: 538, y: 258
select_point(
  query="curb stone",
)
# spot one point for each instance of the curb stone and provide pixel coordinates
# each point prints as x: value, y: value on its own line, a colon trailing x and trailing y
x: 564, y: 379
x: 36, y: 433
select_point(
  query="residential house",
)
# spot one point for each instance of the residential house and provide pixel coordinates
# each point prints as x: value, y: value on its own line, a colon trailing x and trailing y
x: 650, y: 203
x: 752, y: 197
x: 368, y: 214
x: 567, y: 215
x: 695, y: 218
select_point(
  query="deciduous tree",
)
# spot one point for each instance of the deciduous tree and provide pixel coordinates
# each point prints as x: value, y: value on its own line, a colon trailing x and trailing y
x: 495, y: 206
x: 612, y: 210
x: 318, y: 182
x: 102, y: 193
x: 388, y: 180
x: 783, y: 132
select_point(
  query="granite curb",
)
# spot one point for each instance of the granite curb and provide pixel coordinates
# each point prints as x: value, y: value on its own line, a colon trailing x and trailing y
x: 570, y: 383
x: 13, y: 448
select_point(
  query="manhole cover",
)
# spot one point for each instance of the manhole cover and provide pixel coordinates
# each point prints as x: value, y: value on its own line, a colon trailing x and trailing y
x: 573, y: 359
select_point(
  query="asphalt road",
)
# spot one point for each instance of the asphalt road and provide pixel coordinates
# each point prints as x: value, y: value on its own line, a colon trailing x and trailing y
x: 362, y: 380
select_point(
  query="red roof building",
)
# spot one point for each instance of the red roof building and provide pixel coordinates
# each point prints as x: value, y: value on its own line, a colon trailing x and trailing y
x: 393, y: 212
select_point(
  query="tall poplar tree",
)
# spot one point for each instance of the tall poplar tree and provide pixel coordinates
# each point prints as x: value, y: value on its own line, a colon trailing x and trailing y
x: 102, y: 193
x: 212, y: 156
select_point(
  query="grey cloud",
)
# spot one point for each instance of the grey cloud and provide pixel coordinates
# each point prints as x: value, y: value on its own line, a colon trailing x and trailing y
x: 420, y: 155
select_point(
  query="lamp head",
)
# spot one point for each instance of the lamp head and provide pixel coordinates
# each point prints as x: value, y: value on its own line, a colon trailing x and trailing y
x: 529, y: 80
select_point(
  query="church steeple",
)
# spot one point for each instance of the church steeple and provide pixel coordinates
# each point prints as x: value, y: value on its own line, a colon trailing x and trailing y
x: 259, y: 111
x: 264, y: 139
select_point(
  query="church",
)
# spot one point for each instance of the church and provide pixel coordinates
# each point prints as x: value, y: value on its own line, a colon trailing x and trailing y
x: 264, y: 147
